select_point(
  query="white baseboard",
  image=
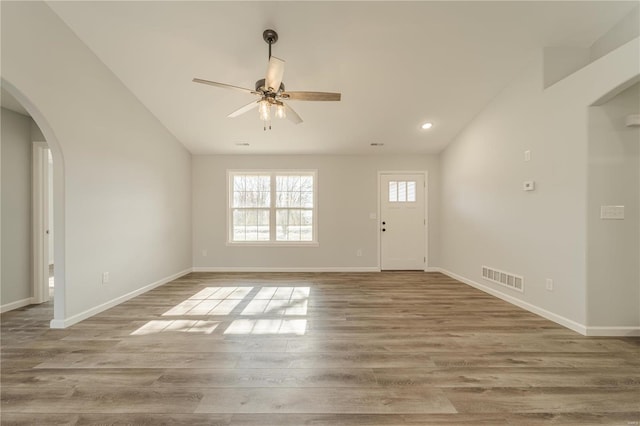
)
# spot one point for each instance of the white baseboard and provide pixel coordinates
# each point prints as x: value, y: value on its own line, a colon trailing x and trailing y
x: 57, y: 323
x: 432, y: 269
x: 613, y: 331
x: 283, y: 269
x: 15, y: 305
x: 566, y: 322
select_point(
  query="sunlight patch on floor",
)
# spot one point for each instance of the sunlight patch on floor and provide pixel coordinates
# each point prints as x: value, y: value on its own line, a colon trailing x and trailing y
x: 279, y: 301
x: 182, y: 326
x: 211, y: 301
x: 267, y: 326
x: 261, y: 304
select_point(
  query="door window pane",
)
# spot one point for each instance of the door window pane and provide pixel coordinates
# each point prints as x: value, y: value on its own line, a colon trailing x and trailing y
x: 411, y: 191
x: 402, y: 191
x: 393, y: 191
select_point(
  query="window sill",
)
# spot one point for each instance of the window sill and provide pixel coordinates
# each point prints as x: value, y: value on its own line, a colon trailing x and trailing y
x: 273, y: 244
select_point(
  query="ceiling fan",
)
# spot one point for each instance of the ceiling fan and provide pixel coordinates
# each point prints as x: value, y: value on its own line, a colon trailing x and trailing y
x: 270, y: 91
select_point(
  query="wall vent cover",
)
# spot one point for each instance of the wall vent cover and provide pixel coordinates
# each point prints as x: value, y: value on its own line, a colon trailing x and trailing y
x: 512, y: 281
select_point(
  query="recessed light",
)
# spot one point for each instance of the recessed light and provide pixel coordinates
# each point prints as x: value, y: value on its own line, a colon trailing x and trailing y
x: 242, y: 144
x: 427, y: 126
x: 376, y: 144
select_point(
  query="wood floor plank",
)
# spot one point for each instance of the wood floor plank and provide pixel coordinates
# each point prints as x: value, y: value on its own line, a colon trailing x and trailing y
x: 401, y: 348
x: 485, y: 377
x: 270, y: 377
x: 323, y: 400
x: 83, y: 377
x: 544, y: 400
x: 46, y: 419
x: 106, y: 399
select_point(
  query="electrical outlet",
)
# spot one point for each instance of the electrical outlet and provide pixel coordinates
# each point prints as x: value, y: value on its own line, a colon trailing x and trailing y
x: 359, y: 252
x: 549, y: 284
x: 105, y: 277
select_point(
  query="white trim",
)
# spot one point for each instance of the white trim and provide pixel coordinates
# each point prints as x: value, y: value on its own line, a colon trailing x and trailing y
x: 613, y: 331
x: 285, y: 269
x: 56, y: 323
x: 425, y: 213
x: 432, y: 269
x: 566, y: 322
x: 15, y: 305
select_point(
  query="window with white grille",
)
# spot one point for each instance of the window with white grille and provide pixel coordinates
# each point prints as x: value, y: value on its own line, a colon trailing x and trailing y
x: 272, y: 206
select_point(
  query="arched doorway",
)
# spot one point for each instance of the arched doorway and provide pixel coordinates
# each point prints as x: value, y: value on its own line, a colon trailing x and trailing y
x: 58, y: 199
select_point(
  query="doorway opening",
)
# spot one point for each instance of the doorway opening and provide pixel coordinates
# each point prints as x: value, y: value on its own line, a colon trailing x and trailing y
x: 50, y: 221
x: 42, y: 211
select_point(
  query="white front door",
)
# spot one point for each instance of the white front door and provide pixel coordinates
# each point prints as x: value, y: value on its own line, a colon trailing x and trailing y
x: 402, y: 222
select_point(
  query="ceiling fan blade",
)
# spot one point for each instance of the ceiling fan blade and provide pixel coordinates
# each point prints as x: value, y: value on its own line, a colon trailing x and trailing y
x: 311, y: 96
x: 291, y: 114
x: 275, y: 72
x: 240, y: 111
x: 224, y: 86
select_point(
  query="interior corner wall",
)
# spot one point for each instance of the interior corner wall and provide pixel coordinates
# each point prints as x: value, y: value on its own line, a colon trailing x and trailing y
x: 127, y: 180
x: 15, y: 284
x: 613, y: 298
x: 347, y: 194
x: 487, y: 218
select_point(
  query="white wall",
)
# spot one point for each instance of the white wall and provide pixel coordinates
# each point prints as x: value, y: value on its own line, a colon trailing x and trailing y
x: 486, y: 217
x: 347, y: 193
x: 614, y: 245
x: 15, y: 284
x: 123, y: 181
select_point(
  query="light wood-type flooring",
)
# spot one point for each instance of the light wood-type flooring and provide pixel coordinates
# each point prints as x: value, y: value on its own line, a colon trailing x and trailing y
x: 391, y: 348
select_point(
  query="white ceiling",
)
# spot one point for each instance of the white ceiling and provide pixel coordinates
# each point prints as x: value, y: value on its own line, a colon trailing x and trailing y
x: 396, y: 64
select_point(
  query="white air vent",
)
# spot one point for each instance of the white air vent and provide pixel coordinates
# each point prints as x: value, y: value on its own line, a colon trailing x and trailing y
x: 515, y: 282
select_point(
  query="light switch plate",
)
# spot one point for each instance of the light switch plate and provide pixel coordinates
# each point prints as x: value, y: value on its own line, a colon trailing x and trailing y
x: 612, y: 212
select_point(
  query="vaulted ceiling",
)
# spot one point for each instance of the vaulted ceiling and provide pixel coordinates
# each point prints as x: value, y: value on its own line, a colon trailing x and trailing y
x: 397, y: 64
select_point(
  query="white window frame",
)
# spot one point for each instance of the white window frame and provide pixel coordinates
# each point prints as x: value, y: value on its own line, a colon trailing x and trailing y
x: 272, y: 208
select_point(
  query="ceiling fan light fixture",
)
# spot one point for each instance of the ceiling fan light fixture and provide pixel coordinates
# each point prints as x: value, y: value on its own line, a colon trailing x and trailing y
x: 280, y: 111
x: 264, y: 109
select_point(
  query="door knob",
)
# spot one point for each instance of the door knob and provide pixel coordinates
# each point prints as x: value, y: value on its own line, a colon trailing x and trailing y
x: 384, y: 223
x: 383, y: 229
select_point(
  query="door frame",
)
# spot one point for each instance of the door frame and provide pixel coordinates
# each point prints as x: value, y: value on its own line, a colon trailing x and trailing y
x: 40, y: 222
x: 425, y: 173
